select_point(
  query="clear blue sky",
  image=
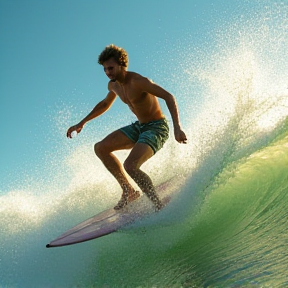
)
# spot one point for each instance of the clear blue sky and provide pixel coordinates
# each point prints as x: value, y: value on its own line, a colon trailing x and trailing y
x: 48, y: 60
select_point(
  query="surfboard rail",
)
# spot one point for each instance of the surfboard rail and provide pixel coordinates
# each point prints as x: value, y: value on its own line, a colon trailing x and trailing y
x: 111, y: 220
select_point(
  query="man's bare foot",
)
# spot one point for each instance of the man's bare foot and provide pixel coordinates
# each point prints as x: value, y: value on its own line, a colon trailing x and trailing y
x: 155, y: 200
x: 125, y: 200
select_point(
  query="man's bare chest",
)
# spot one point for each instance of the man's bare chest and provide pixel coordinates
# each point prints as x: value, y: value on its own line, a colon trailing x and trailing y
x: 129, y: 95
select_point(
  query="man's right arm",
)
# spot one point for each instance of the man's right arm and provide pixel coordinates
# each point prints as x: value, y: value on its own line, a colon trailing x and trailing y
x: 99, y: 109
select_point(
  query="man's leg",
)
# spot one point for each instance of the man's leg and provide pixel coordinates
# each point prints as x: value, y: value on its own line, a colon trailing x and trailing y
x: 117, y: 140
x: 140, y: 153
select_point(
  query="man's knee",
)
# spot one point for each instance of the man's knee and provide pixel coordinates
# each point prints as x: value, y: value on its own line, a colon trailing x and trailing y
x: 99, y: 149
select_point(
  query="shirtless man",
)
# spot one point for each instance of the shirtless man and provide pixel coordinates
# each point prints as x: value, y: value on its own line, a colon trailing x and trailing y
x: 144, y: 137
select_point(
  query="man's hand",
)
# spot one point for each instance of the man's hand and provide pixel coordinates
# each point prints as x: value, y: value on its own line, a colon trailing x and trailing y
x: 78, y: 127
x: 180, y: 136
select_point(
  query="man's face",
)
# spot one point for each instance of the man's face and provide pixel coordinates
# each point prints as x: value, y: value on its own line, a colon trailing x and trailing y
x: 112, y: 69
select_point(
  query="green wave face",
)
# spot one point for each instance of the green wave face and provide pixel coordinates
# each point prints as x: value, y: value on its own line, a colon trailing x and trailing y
x: 238, y: 236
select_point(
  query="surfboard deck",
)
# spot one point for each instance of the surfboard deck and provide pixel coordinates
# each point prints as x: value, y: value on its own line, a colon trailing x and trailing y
x: 111, y: 220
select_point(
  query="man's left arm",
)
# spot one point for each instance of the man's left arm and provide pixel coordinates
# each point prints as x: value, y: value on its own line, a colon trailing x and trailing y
x: 170, y: 100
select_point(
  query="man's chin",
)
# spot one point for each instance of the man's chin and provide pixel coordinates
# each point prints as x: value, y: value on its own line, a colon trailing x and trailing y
x: 113, y: 80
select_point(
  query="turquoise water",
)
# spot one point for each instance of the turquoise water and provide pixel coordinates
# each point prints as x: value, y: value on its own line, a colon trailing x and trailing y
x: 228, y: 225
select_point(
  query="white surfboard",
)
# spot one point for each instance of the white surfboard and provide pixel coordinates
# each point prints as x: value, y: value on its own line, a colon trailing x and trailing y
x: 110, y: 220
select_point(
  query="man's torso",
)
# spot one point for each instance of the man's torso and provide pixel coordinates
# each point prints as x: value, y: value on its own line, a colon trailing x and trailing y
x: 144, y: 105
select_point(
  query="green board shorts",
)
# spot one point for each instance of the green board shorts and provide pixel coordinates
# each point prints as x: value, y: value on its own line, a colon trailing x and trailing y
x: 153, y: 133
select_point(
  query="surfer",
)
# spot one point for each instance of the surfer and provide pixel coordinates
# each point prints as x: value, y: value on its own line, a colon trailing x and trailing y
x: 144, y: 137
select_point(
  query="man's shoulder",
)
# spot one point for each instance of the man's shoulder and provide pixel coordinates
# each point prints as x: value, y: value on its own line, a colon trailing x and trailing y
x: 110, y: 84
x: 134, y: 75
x: 137, y: 78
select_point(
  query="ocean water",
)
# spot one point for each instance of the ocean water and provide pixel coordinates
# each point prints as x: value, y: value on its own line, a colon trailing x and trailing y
x: 228, y: 225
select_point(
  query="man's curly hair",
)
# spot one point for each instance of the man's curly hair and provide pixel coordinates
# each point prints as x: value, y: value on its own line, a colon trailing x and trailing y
x: 112, y: 51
